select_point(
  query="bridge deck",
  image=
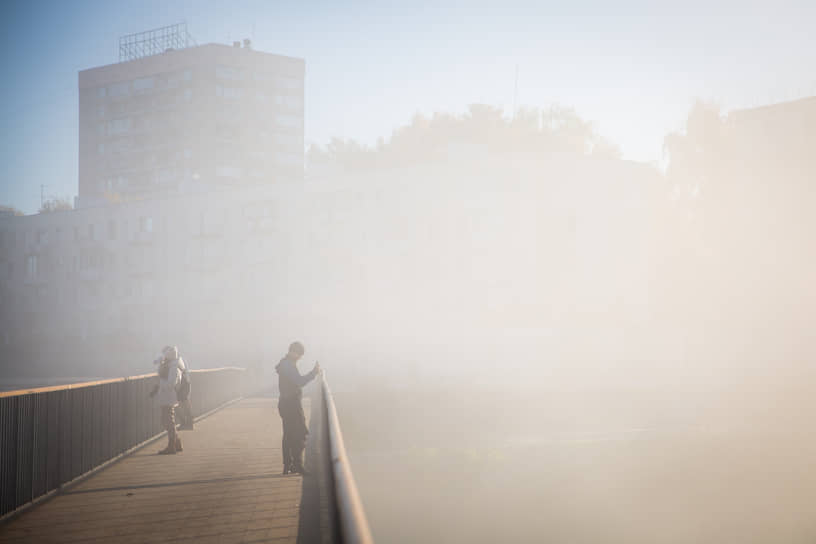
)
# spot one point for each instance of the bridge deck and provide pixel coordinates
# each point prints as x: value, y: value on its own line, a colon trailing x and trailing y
x: 225, y: 487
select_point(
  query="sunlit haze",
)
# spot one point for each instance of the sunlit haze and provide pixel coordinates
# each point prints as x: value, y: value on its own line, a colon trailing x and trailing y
x: 557, y: 263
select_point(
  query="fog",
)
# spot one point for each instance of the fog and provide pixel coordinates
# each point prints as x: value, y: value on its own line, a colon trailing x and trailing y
x: 530, y: 337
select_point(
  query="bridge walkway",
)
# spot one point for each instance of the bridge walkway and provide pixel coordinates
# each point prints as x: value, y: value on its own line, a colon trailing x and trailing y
x: 225, y: 487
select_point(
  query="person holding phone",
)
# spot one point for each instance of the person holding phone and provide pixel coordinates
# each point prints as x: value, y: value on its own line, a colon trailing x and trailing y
x: 290, y: 386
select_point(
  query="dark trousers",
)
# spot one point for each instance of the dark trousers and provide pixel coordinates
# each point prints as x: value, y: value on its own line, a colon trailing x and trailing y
x: 169, y: 424
x: 294, y: 432
x: 185, y: 409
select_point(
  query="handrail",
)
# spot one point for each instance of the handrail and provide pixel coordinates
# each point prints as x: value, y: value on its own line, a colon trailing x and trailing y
x: 50, y: 388
x: 52, y: 436
x: 353, y: 523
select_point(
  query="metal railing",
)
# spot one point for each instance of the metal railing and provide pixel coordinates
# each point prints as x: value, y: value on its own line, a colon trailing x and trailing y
x: 348, y: 518
x: 53, y: 435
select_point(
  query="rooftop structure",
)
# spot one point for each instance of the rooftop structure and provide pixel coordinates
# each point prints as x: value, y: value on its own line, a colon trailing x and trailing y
x: 153, y: 42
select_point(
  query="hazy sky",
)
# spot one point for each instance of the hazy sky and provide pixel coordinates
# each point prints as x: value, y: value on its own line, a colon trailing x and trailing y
x: 632, y: 67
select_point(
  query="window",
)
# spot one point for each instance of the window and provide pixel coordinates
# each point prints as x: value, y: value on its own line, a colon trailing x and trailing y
x: 111, y: 229
x: 101, y: 92
x: 119, y: 89
x: 227, y: 131
x: 228, y: 72
x: 295, y: 102
x: 117, y: 146
x: 31, y: 266
x: 228, y: 172
x: 91, y: 232
x: 230, y: 93
x: 287, y: 139
x: 164, y: 175
x: 119, y: 126
x: 289, y: 159
x: 143, y: 83
x: 100, y: 148
x: 289, y: 82
x: 146, y: 224
x: 287, y: 120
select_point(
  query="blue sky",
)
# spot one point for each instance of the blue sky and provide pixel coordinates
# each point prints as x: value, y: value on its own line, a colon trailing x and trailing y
x: 634, y: 68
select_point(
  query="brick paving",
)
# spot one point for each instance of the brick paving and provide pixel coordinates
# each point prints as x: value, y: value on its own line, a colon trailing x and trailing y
x: 225, y: 487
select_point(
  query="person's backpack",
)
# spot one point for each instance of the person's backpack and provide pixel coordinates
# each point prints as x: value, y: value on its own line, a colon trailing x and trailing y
x: 164, y: 369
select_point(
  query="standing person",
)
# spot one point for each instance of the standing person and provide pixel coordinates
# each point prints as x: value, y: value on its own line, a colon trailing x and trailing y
x: 183, y: 395
x: 290, y: 384
x: 169, y: 380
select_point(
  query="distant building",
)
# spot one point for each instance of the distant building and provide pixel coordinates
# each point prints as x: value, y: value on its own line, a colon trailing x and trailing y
x: 230, y: 274
x: 188, y: 120
x: 776, y: 136
x: 83, y: 286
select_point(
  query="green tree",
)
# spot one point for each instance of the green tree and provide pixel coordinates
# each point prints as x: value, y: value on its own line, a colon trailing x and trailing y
x: 424, y: 139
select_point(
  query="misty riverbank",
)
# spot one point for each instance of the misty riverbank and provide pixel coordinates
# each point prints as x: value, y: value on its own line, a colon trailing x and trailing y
x: 492, y: 467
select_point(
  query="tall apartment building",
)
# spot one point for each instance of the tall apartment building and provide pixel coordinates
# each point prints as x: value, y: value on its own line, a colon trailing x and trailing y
x: 189, y: 120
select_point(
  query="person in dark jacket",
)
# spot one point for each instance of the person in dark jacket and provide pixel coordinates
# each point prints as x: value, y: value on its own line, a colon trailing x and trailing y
x: 290, y: 384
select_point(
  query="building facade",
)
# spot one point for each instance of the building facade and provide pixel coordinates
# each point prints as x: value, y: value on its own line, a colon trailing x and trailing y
x: 98, y: 289
x: 189, y: 120
x: 363, y: 262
